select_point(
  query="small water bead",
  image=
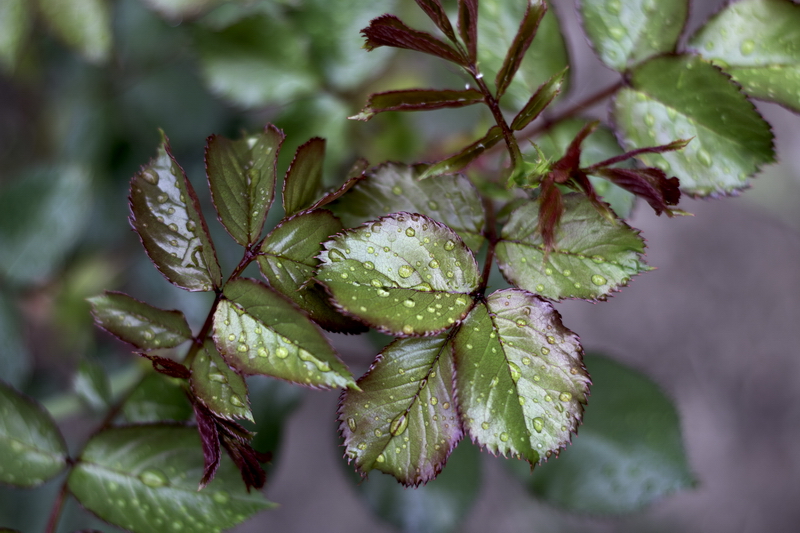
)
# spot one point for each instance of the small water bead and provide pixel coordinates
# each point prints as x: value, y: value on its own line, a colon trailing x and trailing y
x: 548, y: 398
x: 449, y: 245
x: 153, y: 478
x: 504, y: 437
x: 171, y: 211
x: 262, y: 352
x: 434, y: 263
x: 398, y: 425
x: 221, y: 497
x: 235, y: 400
x: 378, y: 433
x: 538, y: 424
x: 565, y: 396
x: 173, y: 227
x: 704, y: 157
x: 410, y: 232
x: 362, y: 446
x: 148, y: 335
x: 516, y: 373
x: 408, y: 330
x: 409, y: 303
x: 281, y: 352
x: 405, y: 271
x: 150, y: 176
x: 526, y: 361
x: 424, y: 287
x: 485, y: 425
x: 433, y: 205
x: 545, y: 349
x: 548, y: 271
x: 335, y: 255
x: 598, y: 280
x: 551, y: 339
x: 380, y: 458
x: 747, y: 47
x: 434, y: 400
x: 396, y: 190
x: 369, y: 265
x: 539, y: 288
x: 219, y: 378
x: 162, y: 198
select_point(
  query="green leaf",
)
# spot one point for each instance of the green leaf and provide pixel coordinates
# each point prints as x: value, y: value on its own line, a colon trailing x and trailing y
x: 498, y: 24
x: 181, y: 9
x: 288, y: 259
x: 437, y: 507
x: 91, y: 384
x: 256, y: 61
x: 679, y: 97
x: 404, y: 420
x: 220, y: 388
x: 158, y: 398
x: 241, y: 175
x: 154, y: 471
x: 15, y: 22
x: 404, y: 274
x: 520, y: 381
x: 137, y: 323
x: 758, y: 44
x: 592, y: 255
x: 42, y: 215
x: 31, y: 445
x: 598, y: 146
x: 304, y: 177
x: 625, y: 32
x: 466, y: 156
x: 84, y: 25
x: 259, y: 332
x: 629, y: 452
x: 539, y: 101
x: 15, y: 361
x: 166, y: 214
x: 392, y: 187
x: 529, y: 23
x: 417, y: 100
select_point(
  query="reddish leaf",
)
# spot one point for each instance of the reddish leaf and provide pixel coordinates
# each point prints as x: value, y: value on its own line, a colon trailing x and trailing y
x: 651, y: 184
x: 539, y: 101
x: 468, y: 26
x: 466, y: 156
x: 354, y: 175
x: 671, y: 147
x: 550, y: 211
x: 522, y: 41
x: 168, y: 367
x: 435, y: 11
x: 304, y: 177
x: 210, y: 441
x: 388, y: 30
x: 417, y: 100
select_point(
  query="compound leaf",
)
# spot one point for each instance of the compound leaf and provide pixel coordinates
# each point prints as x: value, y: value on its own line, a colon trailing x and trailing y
x: 392, y: 187
x: 137, y: 323
x: 31, y: 445
x: 757, y: 42
x: 259, y: 332
x: 520, y: 381
x: 288, y: 259
x: 241, y: 176
x: 157, y: 398
x: 154, y: 471
x: 220, y: 388
x: 417, y: 100
x: 629, y: 452
x: 166, y: 214
x: 404, y: 274
x: 304, y: 177
x: 388, y: 30
x: 624, y: 33
x: 680, y: 97
x: 404, y: 420
x: 592, y: 256
x: 84, y: 25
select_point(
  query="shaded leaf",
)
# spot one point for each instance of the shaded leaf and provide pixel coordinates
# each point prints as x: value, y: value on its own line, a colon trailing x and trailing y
x: 404, y: 274
x: 466, y: 156
x: 679, y: 97
x: 15, y: 22
x: 651, y: 184
x: 31, y: 445
x: 181, y: 9
x: 137, y: 323
x: 629, y: 452
x: 287, y: 260
x: 757, y: 42
x: 520, y: 381
x: 534, y: 12
x: 404, y: 420
x: 435, y: 11
x: 259, y: 332
x: 591, y: 258
x: 539, y: 101
x: 168, y: 367
x: 91, y: 384
x: 417, y: 100
x: 209, y: 440
x: 84, y: 25
x: 468, y: 26
x: 220, y: 388
x: 354, y: 175
x: 393, y: 187
x: 388, y: 30
x: 304, y: 177
x: 15, y: 360
x: 166, y: 214
x: 241, y: 176
x: 154, y: 469
x: 624, y: 33
x: 157, y: 398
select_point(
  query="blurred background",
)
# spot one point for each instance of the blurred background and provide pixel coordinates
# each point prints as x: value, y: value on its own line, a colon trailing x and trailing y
x: 81, y: 100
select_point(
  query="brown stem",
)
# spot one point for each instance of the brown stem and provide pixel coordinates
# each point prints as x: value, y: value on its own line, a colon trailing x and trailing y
x: 58, y: 505
x: 491, y: 236
x: 494, y: 106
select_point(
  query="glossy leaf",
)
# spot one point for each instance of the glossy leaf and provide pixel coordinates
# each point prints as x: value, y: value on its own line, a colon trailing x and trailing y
x: 15, y: 22
x: 220, y: 388
x: 435, y: 11
x: 166, y: 214
x: 404, y: 420
x: 757, y: 42
x: 288, y: 259
x: 468, y: 26
x: 154, y: 469
x: 629, y: 453
x: 598, y: 146
x: 91, y: 384
x: 137, y: 323
x: 388, y: 30
x: 539, y: 101
x: 466, y: 156
x: 241, y: 176
x: 31, y: 445
x: 680, y: 97
x: 624, y: 33
x: 260, y: 332
x: 498, y: 26
x: 417, y: 100
x: 520, y: 382
x: 439, y: 506
x: 404, y: 274
x: 84, y: 25
x: 393, y: 187
x: 592, y: 256
x: 529, y: 23
x: 157, y: 398
x: 304, y: 177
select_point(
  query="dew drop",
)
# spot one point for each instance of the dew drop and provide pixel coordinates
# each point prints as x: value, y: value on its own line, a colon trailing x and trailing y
x: 539, y: 288
x: 551, y: 339
x: 382, y: 293
x: 409, y: 303
x: 410, y: 232
x: 262, y: 352
x: 398, y: 425
x: 515, y: 371
x: 565, y: 397
x: 545, y: 350
x: 162, y: 198
x: 434, y: 400
x: 378, y: 433
x: 485, y: 425
x: 538, y: 424
x: 153, y: 478
x: 236, y: 400
x: 408, y: 330
x: 526, y: 361
x: 335, y: 255
x: 568, y: 272
x: 396, y: 190
x: 649, y: 119
x: 405, y: 271
x: 548, y: 271
x: 380, y: 458
x: 597, y: 279
x: 351, y: 423
x: 148, y: 335
x: 449, y: 245
x: 221, y: 497
x: 617, y: 33
x: 433, y: 205
x: 173, y: 227
x: 369, y: 265
x: 362, y: 446
x: 747, y: 47
x: 434, y: 263
x: 150, y: 176
x: 504, y: 436
x: 219, y: 378
x: 243, y: 348
x: 281, y: 352
x: 521, y: 322
x: 521, y: 400
x: 424, y: 287
x: 704, y: 157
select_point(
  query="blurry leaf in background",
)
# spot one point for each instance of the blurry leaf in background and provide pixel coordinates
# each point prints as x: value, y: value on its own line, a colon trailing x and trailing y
x: 629, y: 452
x: 84, y: 25
x: 92, y: 385
x: 14, y: 357
x: 157, y: 398
x: 179, y: 9
x: 436, y: 507
x: 15, y: 21
x: 42, y: 215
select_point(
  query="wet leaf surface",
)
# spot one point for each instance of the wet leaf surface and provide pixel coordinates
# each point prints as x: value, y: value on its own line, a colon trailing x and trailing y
x: 220, y: 388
